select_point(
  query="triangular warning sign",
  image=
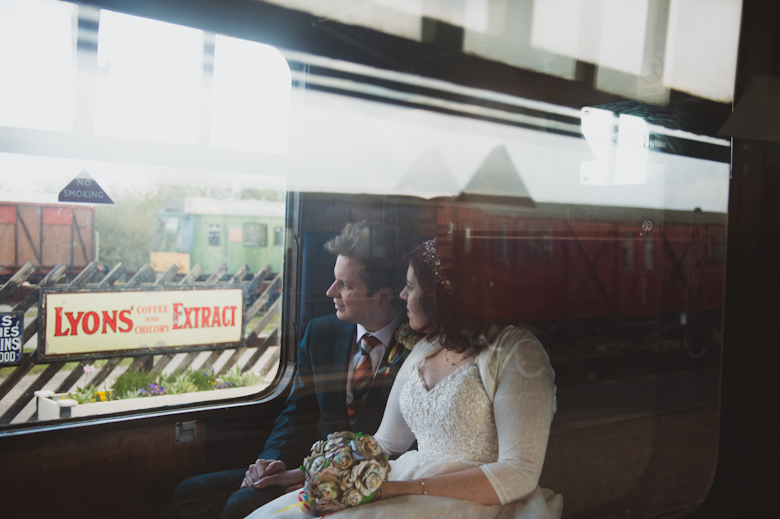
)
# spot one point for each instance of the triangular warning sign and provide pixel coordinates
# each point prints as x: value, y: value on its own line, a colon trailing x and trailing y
x: 84, y: 190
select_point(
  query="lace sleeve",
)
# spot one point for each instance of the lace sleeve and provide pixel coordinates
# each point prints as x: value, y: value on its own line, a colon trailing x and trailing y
x: 523, y: 408
x: 394, y: 435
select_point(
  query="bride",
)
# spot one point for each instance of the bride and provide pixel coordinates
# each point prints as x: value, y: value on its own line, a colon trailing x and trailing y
x: 479, y: 400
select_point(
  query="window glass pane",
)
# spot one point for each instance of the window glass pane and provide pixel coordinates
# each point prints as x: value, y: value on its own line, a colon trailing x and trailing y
x: 501, y: 241
x: 167, y: 223
x: 628, y: 251
x: 255, y: 235
x: 541, y: 241
x: 251, y: 235
x: 37, y: 64
x: 649, y: 253
x: 577, y: 190
x: 215, y: 235
x: 717, y: 245
x: 150, y: 86
x: 251, y: 97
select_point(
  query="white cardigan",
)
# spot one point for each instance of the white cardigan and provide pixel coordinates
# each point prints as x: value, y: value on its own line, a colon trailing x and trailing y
x: 519, y: 381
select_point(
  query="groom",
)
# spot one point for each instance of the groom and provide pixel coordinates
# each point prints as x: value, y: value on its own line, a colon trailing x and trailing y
x: 347, y: 363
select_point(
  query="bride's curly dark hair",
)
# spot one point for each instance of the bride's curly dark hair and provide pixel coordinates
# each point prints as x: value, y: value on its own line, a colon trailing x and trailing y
x: 447, y: 301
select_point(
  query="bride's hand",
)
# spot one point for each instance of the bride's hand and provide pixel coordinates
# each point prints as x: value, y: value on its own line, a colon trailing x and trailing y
x: 398, y: 488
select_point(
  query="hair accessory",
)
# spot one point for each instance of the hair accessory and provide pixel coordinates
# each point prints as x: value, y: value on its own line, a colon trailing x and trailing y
x: 422, y: 482
x: 430, y: 257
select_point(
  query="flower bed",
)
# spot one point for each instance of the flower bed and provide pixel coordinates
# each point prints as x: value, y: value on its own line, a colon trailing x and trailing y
x: 143, y: 390
x: 53, y: 406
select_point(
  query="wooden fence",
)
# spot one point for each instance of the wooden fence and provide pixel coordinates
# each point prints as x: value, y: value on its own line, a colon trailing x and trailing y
x: 256, y: 344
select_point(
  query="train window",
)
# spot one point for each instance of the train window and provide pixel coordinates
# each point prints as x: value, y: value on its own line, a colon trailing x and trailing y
x: 649, y: 253
x: 41, y: 96
x: 169, y: 247
x: 186, y: 231
x: 541, y: 242
x: 716, y: 245
x: 159, y: 233
x: 627, y: 249
x: 171, y: 231
x: 255, y: 235
x: 537, y: 144
x: 215, y: 235
x: 501, y: 242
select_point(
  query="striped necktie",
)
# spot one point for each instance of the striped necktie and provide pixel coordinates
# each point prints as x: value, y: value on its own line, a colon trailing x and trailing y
x: 364, y: 374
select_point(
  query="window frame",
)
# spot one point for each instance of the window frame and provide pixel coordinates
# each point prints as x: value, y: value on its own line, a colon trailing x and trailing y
x: 737, y: 462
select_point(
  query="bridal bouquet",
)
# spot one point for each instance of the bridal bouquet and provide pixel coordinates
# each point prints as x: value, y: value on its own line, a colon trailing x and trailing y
x: 343, y: 471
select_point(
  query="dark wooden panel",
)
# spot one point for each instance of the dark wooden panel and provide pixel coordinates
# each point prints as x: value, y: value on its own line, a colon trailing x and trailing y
x: 98, y: 471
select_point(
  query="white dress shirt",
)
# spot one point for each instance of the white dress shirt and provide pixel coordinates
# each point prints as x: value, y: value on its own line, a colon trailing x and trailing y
x: 385, y: 336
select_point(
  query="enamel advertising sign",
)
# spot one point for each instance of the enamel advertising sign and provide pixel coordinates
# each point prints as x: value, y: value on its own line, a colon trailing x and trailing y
x: 11, y: 332
x: 80, y: 323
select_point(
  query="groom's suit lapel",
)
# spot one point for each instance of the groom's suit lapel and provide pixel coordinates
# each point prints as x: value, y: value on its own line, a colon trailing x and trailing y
x: 342, y: 357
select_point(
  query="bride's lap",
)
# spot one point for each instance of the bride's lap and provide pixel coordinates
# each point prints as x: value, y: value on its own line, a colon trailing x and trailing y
x: 405, y: 506
x: 542, y: 504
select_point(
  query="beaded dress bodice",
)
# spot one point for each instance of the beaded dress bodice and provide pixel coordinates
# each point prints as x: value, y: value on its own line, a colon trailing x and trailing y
x: 454, y: 420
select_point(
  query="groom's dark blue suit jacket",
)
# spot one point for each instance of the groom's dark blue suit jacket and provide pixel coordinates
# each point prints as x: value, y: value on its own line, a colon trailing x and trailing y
x: 317, y: 404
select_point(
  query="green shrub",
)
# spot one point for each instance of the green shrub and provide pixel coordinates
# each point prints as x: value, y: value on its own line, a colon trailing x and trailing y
x: 129, y: 383
x: 203, y: 380
x: 234, y: 378
x: 184, y: 383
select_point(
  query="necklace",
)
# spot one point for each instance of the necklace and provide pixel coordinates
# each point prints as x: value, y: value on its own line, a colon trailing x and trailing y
x: 457, y: 361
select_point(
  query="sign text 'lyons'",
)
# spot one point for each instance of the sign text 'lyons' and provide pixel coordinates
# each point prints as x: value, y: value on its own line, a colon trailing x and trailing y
x: 90, y: 322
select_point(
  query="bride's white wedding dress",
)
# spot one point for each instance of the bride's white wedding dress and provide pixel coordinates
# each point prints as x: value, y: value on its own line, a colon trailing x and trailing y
x: 494, y: 414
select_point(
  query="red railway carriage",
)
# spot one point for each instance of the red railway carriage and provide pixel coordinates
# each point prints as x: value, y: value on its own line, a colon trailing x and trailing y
x: 550, y: 261
x: 45, y: 235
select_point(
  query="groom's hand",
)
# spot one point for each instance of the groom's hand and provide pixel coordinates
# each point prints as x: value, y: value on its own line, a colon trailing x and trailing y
x: 288, y: 480
x: 260, y: 469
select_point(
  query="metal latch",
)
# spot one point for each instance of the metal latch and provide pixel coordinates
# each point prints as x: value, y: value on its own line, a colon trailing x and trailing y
x: 186, y: 432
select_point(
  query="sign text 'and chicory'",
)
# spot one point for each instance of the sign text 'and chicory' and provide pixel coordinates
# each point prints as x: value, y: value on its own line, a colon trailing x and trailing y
x: 87, y: 322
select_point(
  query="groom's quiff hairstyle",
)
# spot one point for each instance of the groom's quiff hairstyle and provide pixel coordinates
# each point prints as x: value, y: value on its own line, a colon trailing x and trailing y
x: 373, y: 245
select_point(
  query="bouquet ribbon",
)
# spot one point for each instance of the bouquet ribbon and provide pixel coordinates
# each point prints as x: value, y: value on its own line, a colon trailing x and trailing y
x: 302, y: 503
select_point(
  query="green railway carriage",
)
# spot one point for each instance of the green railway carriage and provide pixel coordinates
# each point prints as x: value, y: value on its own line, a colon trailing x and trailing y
x: 212, y: 232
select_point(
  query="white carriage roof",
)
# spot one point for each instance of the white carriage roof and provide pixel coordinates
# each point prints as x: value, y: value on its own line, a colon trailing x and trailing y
x: 212, y: 206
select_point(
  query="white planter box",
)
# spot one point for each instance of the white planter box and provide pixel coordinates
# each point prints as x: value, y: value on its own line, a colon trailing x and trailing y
x: 53, y: 406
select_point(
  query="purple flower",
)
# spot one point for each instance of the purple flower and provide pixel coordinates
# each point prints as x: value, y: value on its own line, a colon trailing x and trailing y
x: 152, y: 390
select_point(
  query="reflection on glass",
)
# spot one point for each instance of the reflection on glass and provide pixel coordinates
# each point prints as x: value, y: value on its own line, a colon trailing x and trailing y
x: 541, y: 241
x: 544, y: 203
x: 649, y: 253
x: 150, y: 85
x: 37, y: 65
x: 250, y: 106
x: 628, y: 250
